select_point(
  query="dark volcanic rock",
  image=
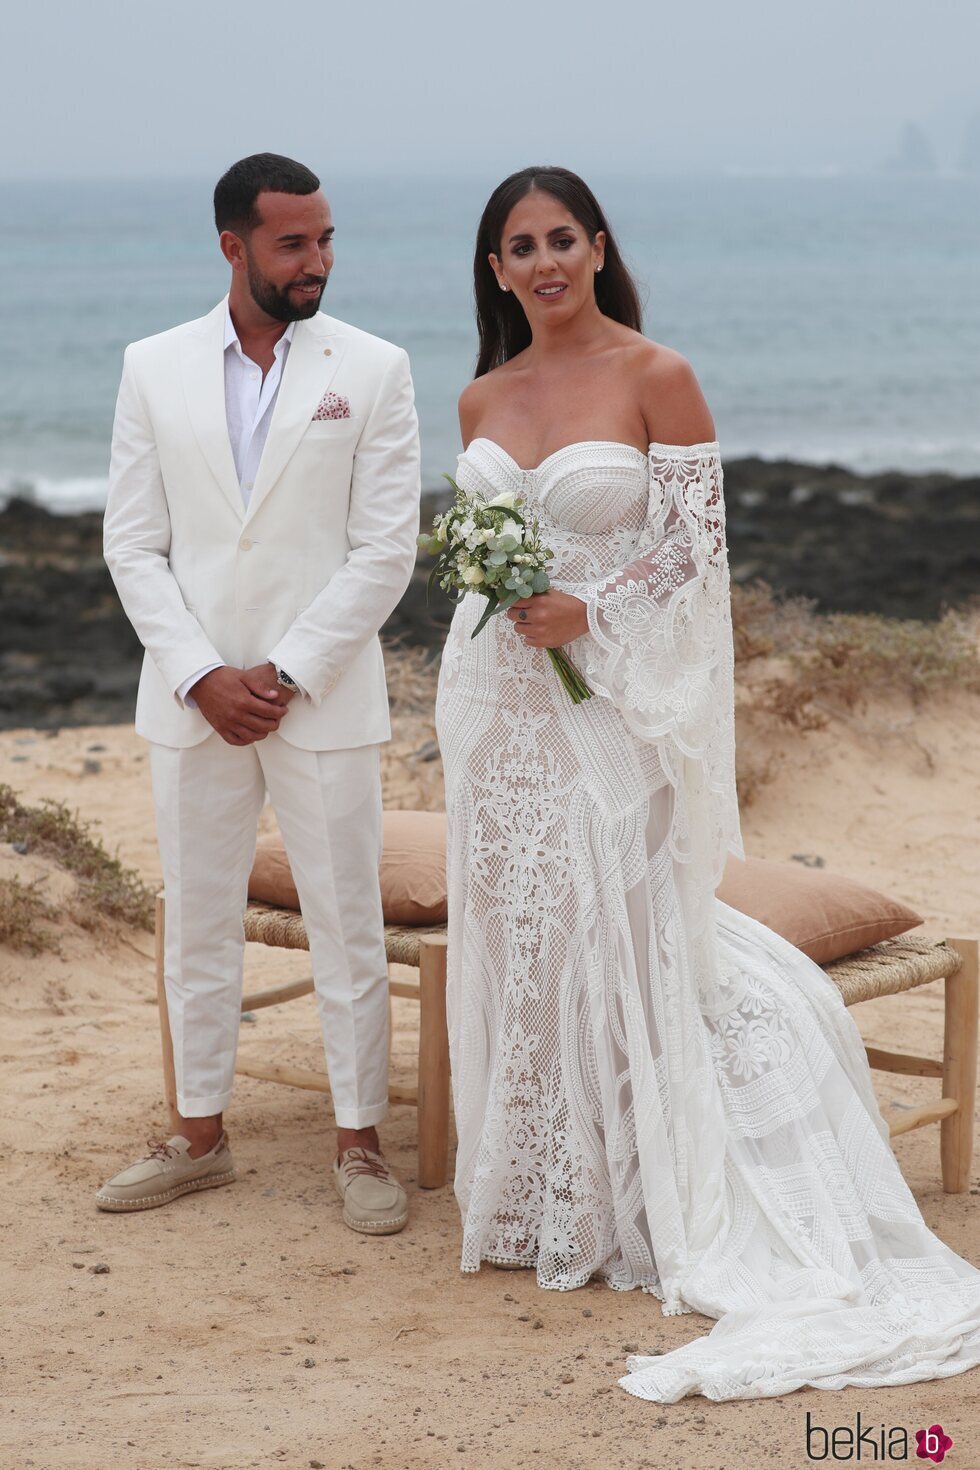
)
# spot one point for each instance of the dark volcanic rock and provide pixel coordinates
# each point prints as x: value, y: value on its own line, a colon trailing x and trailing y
x: 901, y: 545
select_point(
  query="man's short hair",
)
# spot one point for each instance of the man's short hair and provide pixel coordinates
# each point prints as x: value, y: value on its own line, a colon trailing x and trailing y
x: 237, y: 190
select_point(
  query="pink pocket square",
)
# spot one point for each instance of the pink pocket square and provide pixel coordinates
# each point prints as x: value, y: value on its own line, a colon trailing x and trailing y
x: 332, y: 406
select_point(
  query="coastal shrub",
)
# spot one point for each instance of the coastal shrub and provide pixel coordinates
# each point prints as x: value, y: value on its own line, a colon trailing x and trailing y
x: 766, y: 622
x: 845, y: 658
x: 855, y: 655
x: 23, y: 911
x: 106, y: 889
x: 411, y: 674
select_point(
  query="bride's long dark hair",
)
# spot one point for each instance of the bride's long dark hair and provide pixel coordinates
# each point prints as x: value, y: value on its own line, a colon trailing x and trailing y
x: 500, y: 318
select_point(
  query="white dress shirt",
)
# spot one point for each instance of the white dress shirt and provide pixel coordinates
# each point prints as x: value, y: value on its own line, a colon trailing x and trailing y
x: 250, y: 402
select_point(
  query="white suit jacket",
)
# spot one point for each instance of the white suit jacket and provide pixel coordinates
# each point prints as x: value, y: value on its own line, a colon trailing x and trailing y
x: 310, y: 571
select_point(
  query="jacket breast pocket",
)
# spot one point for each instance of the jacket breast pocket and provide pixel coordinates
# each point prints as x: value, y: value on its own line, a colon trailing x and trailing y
x: 323, y: 431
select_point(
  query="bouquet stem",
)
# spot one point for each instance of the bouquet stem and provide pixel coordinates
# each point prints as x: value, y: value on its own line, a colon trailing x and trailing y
x: 575, y: 686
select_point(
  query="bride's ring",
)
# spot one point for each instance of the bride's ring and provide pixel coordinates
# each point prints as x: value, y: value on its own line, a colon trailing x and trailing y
x: 523, y: 614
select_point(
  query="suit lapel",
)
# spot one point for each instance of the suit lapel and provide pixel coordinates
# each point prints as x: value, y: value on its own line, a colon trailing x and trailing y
x: 203, y: 370
x: 315, y: 354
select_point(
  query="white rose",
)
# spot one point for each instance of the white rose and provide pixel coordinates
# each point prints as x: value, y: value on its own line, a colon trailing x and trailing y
x: 473, y: 576
x: 506, y: 498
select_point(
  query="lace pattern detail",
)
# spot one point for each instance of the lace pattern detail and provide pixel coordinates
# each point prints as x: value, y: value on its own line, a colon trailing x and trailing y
x: 662, y: 649
x: 650, y: 1088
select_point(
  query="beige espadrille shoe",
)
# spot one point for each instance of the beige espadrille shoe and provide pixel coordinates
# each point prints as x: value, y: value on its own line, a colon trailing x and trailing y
x: 165, y: 1173
x: 374, y: 1201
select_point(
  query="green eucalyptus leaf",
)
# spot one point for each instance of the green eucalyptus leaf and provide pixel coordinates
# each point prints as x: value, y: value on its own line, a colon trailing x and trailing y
x: 488, y: 612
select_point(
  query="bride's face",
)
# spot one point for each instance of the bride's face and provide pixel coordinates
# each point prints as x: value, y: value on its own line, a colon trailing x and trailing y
x: 547, y: 259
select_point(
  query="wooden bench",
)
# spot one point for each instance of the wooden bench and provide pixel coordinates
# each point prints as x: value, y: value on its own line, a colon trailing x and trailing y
x: 887, y: 968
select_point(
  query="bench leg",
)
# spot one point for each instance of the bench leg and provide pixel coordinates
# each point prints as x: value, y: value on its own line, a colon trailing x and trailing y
x: 433, y: 1085
x: 166, y: 1041
x: 960, y: 1068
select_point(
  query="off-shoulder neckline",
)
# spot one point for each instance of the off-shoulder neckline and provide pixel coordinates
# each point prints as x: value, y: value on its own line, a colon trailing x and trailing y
x: 681, y: 449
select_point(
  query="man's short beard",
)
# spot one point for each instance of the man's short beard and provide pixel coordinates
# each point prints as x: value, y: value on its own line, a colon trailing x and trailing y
x: 276, y: 302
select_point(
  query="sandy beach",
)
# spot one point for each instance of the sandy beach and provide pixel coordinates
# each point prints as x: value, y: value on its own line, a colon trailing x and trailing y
x: 248, y: 1327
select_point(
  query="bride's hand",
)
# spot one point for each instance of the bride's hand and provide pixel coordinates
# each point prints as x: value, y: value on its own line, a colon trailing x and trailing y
x: 549, y: 619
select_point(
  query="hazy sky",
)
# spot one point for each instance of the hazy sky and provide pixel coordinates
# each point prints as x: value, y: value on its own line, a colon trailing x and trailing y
x: 123, y: 88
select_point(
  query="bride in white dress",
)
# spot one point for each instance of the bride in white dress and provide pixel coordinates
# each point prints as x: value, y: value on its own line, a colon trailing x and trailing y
x: 650, y: 1087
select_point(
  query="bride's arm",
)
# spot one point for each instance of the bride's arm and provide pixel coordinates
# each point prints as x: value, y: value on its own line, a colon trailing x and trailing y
x: 661, y: 625
x: 661, y: 647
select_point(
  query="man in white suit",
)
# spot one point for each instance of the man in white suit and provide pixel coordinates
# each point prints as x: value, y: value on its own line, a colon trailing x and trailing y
x: 260, y: 527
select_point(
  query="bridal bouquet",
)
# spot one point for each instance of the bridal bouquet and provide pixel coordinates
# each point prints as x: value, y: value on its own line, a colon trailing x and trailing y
x: 486, y: 546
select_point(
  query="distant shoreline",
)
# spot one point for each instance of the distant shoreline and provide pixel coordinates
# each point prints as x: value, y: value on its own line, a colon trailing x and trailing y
x: 903, y: 545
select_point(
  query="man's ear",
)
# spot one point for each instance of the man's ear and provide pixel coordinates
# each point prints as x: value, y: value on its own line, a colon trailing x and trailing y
x: 233, y: 249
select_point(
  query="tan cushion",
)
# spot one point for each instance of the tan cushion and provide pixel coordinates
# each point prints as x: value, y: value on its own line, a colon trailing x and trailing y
x: 413, y: 870
x: 823, y: 914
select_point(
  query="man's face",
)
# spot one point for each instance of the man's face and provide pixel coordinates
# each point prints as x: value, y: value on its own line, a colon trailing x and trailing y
x: 289, y: 255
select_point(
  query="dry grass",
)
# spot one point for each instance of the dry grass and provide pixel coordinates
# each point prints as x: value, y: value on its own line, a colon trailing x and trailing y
x: 106, y: 890
x: 797, y: 669
x: 412, y: 674
x: 854, y: 657
x: 765, y: 622
x: 411, y: 767
x: 849, y: 658
x: 23, y: 912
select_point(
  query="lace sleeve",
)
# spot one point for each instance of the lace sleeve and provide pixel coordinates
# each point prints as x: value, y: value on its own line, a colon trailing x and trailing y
x: 661, y: 647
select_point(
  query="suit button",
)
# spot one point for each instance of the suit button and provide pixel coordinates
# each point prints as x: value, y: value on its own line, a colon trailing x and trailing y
x: 246, y: 544
x: 327, y: 351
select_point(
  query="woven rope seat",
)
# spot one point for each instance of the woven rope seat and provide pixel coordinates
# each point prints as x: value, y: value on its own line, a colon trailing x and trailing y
x: 886, y: 968
x: 891, y: 966
x: 284, y: 928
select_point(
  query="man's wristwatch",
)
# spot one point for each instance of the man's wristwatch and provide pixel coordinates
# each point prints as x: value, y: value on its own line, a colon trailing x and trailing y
x: 283, y: 678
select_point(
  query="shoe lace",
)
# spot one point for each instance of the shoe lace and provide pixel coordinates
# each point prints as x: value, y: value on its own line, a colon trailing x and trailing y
x: 160, y: 1149
x: 361, y: 1161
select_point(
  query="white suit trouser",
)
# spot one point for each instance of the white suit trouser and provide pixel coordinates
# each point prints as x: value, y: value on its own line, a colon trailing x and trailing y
x: 328, y: 802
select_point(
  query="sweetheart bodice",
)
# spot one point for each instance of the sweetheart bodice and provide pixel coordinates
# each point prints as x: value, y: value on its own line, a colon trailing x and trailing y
x: 590, y: 488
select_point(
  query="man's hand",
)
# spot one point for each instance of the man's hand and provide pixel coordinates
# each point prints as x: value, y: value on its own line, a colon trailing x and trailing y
x: 263, y: 681
x: 243, y: 705
x: 549, y: 619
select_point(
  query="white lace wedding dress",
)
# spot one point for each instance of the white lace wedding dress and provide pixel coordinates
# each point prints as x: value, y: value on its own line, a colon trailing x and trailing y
x: 650, y: 1087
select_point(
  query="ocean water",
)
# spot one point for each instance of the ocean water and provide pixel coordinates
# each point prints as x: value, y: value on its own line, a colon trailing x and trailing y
x: 828, y: 319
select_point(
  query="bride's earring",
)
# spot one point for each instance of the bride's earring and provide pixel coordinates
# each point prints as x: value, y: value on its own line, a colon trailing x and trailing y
x: 504, y: 286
